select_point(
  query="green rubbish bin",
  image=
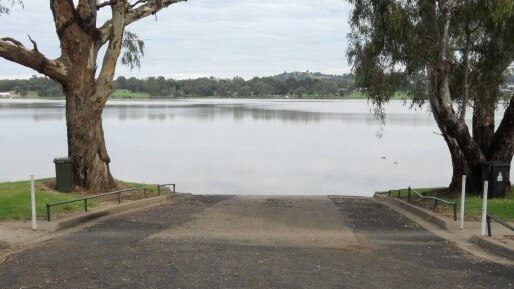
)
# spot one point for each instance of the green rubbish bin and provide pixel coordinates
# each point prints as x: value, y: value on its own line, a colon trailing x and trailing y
x: 64, y: 174
x: 497, y: 174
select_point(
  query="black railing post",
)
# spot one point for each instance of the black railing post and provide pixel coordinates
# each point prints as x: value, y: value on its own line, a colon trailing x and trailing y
x: 435, y: 205
x: 389, y: 193
x: 455, y: 211
x: 399, y: 193
x: 488, y: 221
x: 85, y: 199
x: 158, y: 190
x: 48, y: 212
x: 408, y: 195
x: 173, y: 188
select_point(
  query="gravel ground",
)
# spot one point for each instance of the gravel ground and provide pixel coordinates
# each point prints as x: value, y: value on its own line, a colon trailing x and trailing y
x: 253, y: 242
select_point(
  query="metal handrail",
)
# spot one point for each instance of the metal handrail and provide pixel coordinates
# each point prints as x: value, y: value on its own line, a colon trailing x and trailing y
x: 85, y: 199
x: 436, y: 201
x: 159, y: 188
x: 488, y: 219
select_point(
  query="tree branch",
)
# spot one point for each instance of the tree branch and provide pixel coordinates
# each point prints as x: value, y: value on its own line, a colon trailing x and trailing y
x: 62, y: 10
x: 14, y: 51
x: 33, y: 43
x: 151, y: 7
x: 105, y: 78
x: 138, y: 2
x: 107, y: 3
x: 12, y: 40
x: 148, y: 9
x: 64, y: 13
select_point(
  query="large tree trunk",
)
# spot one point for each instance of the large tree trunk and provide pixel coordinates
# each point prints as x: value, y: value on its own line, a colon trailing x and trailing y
x: 483, y: 126
x: 459, y: 165
x: 86, y: 92
x: 454, y: 127
x: 86, y: 143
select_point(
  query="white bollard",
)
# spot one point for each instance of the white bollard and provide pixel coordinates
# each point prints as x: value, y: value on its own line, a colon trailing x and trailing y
x: 33, y: 199
x: 462, y: 202
x: 483, y: 228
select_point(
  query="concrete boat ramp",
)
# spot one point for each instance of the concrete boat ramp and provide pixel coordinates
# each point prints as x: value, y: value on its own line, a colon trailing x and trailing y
x: 253, y: 242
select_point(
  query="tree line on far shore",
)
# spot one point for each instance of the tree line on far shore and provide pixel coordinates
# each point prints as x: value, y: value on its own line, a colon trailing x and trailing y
x: 291, y: 84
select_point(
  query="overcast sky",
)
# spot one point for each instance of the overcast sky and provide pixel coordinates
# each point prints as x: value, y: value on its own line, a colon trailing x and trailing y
x: 222, y: 38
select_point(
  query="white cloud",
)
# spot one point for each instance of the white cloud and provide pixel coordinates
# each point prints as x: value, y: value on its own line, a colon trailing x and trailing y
x: 222, y: 38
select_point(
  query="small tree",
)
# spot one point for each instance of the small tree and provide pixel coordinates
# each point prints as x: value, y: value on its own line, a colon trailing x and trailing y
x: 85, y: 87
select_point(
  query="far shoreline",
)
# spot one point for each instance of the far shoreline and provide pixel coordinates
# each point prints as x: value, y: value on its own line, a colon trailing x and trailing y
x: 400, y: 96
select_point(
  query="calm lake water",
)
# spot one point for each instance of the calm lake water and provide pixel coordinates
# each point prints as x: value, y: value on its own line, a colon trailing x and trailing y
x: 239, y: 146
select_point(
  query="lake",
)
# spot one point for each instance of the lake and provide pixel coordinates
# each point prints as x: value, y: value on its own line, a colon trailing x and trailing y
x: 221, y: 146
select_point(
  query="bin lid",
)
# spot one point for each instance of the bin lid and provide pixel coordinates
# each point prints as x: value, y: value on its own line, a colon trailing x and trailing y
x: 63, y: 160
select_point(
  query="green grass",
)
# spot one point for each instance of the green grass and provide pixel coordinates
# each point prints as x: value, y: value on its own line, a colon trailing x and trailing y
x: 151, y: 189
x: 501, y: 208
x: 123, y: 93
x: 15, y: 199
x: 399, y: 95
x: 32, y: 94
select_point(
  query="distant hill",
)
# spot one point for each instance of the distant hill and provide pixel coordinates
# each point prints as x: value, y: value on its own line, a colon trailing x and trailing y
x: 300, y: 75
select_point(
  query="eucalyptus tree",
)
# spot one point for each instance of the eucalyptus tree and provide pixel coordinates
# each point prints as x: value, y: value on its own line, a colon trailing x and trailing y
x: 454, y: 54
x: 86, y: 88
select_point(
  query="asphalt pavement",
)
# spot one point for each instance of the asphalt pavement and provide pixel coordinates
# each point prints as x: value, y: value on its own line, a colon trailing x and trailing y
x: 253, y: 242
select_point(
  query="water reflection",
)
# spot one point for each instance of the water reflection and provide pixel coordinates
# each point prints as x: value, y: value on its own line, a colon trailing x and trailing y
x: 239, y: 146
x: 241, y: 112
x: 170, y: 110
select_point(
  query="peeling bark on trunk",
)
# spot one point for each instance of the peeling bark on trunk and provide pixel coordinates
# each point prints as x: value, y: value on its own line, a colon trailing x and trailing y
x: 455, y: 128
x: 86, y: 143
x: 459, y: 165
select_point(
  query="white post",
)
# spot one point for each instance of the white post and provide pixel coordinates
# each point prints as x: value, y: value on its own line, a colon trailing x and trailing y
x: 33, y: 198
x: 462, y: 202
x: 484, y: 209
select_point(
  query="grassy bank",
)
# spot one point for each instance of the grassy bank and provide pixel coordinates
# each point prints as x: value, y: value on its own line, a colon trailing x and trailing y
x: 15, y: 198
x: 123, y: 93
x: 399, y: 95
x: 501, y: 208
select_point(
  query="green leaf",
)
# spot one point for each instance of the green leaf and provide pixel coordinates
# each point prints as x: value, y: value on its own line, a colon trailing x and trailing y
x: 133, y: 50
